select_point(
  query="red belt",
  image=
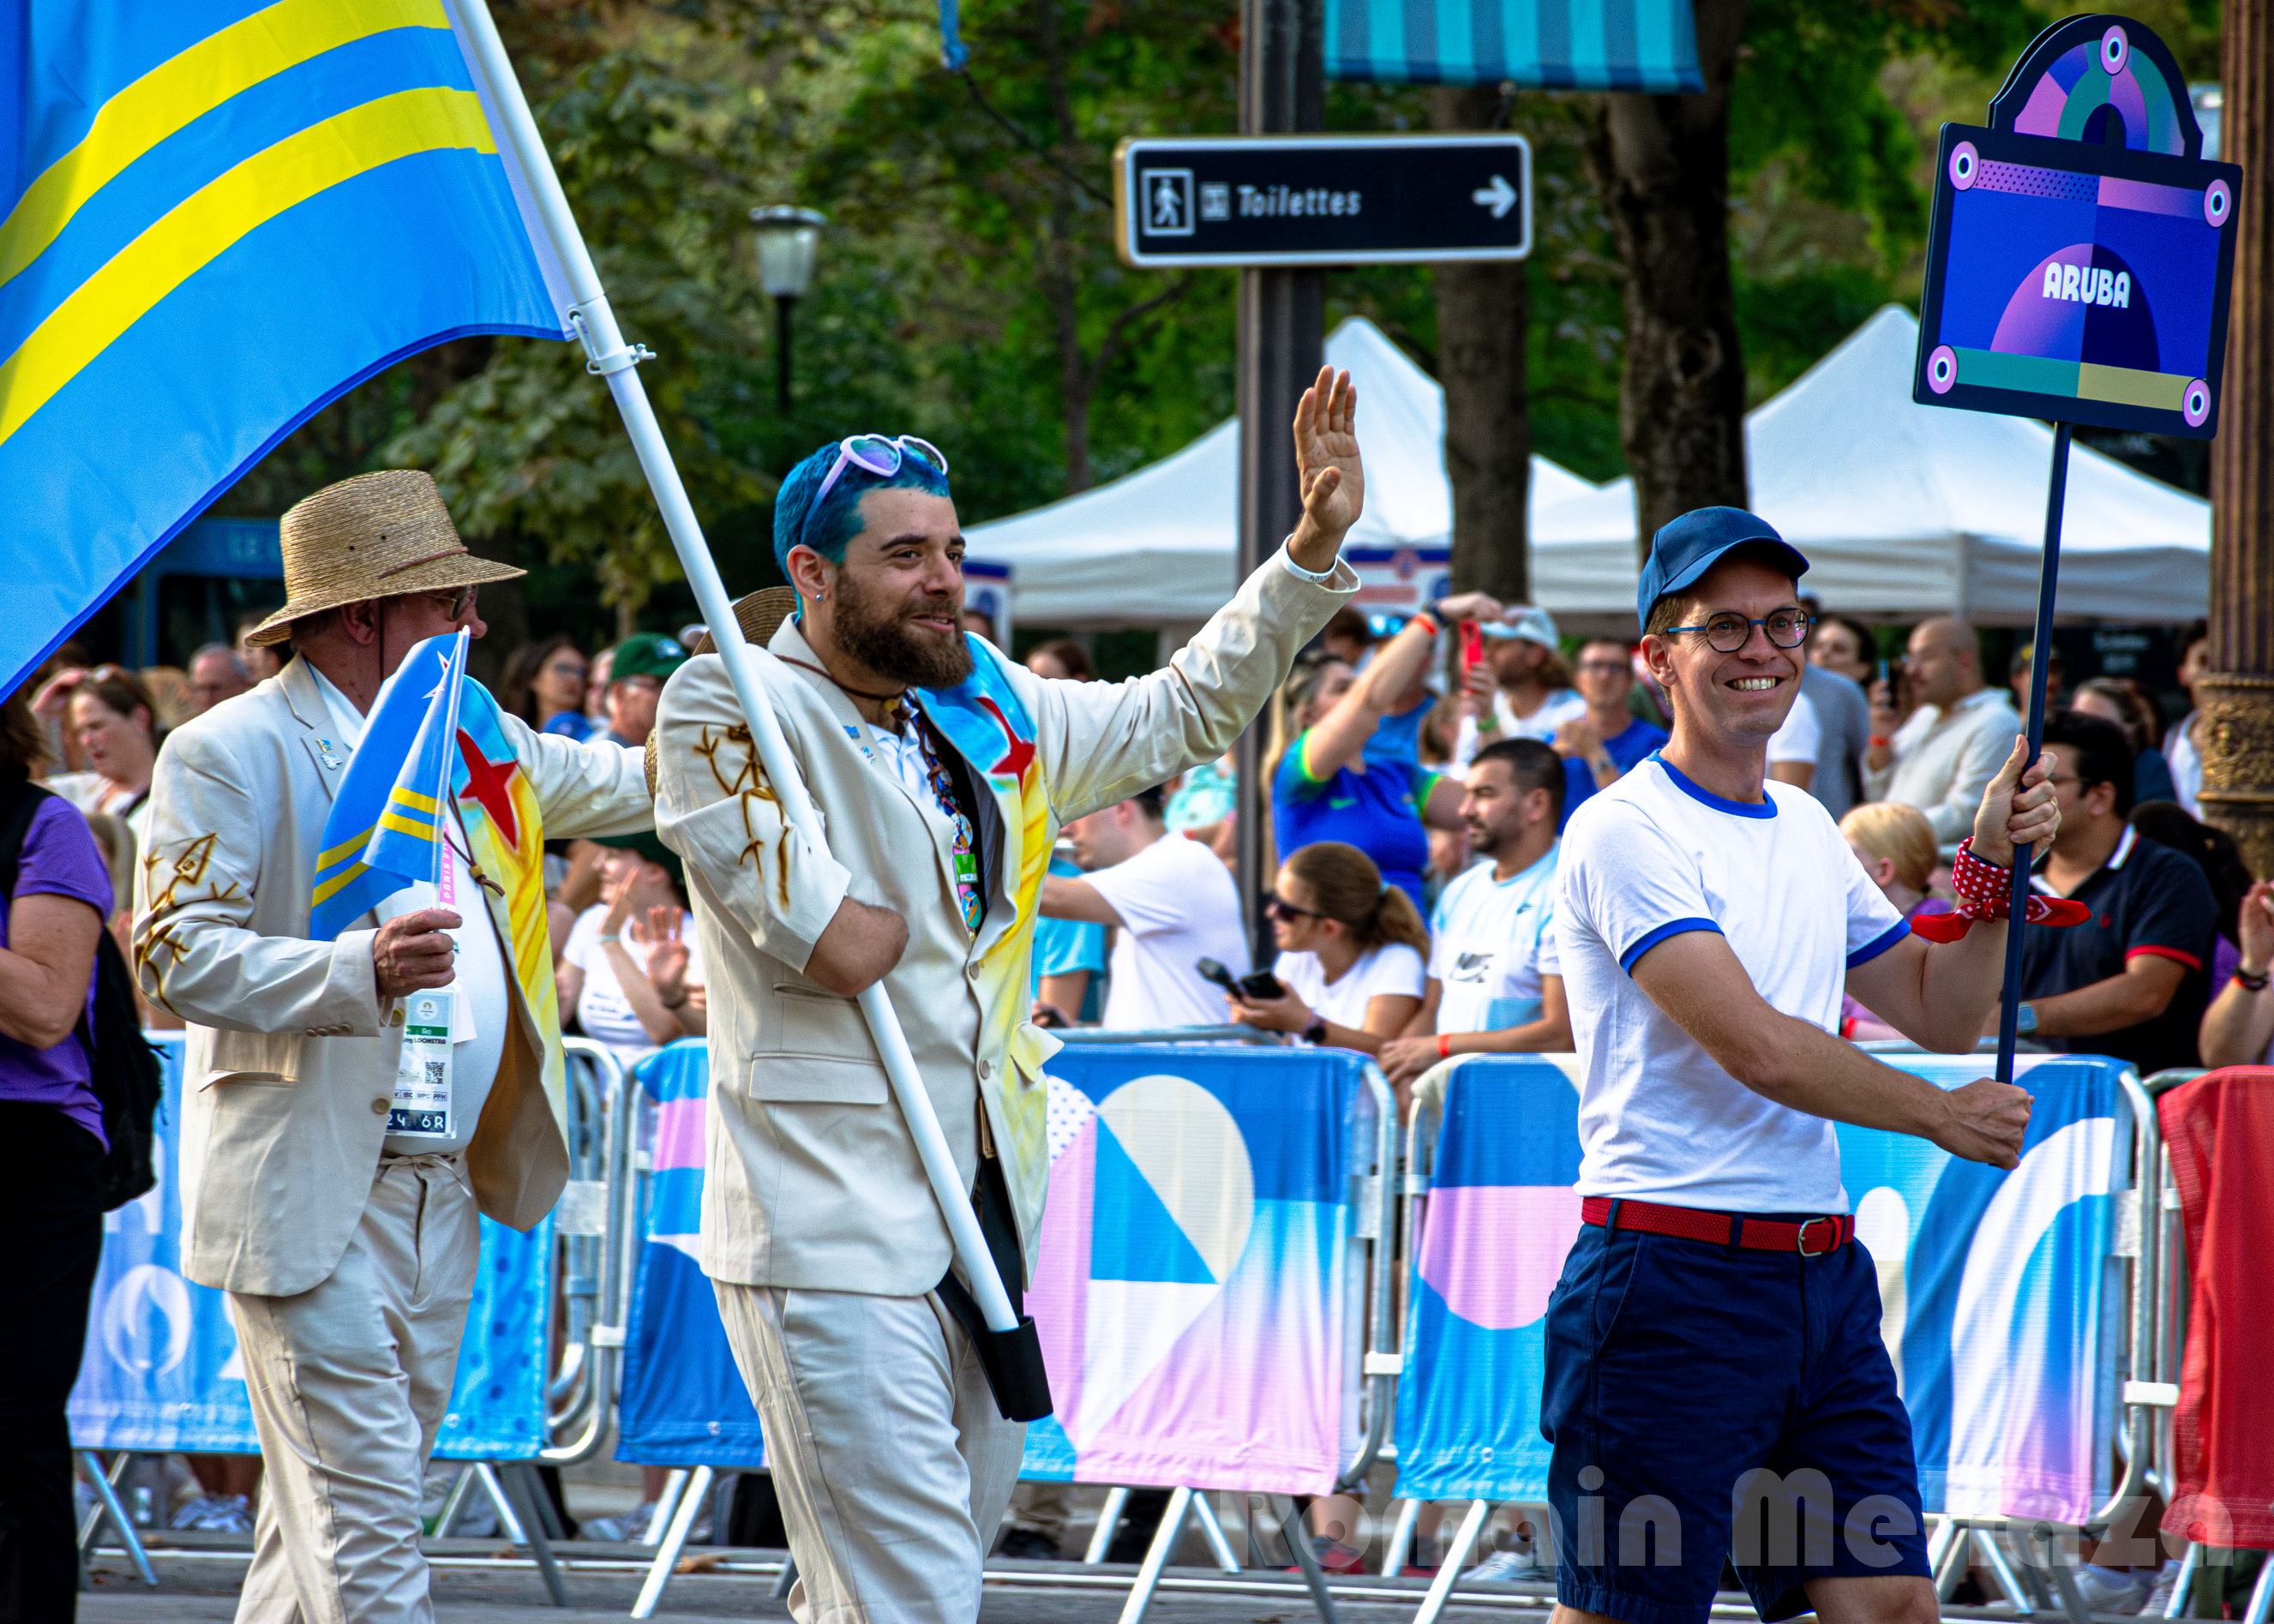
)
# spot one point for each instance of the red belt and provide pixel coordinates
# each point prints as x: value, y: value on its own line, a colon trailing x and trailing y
x: 1810, y: 1238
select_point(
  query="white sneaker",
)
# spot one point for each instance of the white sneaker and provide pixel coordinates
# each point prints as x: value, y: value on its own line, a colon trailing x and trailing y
x: 2113, y: 1590
x: 216, y: 1513
x: 629, y: 1527
x: 1501, y: 1566
x: 2160, y: 1597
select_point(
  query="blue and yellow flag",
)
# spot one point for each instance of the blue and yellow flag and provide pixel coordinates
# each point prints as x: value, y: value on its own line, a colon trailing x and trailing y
x: 384, y: 828
x: 216, y: 216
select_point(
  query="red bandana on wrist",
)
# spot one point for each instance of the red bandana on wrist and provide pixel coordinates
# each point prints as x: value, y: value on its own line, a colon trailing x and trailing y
x: 1985, y: 891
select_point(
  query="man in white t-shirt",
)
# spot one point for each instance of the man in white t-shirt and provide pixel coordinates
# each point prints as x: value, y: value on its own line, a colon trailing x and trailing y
x: 1716, y: 1319
x: 1172, y: 902
x: 1494, y: 985
x: 1794, y: 748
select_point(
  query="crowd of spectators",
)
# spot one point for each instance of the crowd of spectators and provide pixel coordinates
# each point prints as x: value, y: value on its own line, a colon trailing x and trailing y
x: 1419, y: 782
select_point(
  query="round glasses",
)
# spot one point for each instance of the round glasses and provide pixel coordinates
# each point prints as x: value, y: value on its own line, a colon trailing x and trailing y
x: 1725, y: 633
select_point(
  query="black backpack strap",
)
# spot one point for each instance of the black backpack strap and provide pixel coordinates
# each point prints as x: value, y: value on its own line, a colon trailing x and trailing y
x: 19, y: 804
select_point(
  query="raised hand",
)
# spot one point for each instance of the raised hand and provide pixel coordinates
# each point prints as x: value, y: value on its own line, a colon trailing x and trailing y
x: 662, y: 934
x: 1327, y: 460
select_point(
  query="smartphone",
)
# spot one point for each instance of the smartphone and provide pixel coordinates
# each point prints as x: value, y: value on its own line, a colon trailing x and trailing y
x: 1883, y: 671
x: 1472, y: 645
x: 1262, y: 984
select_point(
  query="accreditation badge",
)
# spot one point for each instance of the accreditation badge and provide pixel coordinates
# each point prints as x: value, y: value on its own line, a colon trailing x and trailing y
x: 421, y: 1108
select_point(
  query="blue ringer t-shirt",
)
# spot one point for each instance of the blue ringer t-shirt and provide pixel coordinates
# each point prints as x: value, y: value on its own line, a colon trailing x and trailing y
x: 1653, y: 857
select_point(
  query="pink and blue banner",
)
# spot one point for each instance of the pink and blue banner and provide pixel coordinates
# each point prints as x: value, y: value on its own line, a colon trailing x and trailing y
x: 1199, y: 1299
x: 1998, y: 1293
x: 161, y: 1370
x: 683, y: 1401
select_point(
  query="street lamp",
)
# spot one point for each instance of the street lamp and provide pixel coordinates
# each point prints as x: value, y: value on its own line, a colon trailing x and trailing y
x: 789, y: 240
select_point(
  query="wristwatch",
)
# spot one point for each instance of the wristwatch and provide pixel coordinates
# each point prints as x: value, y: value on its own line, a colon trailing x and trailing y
x: 1316, y: 1032
x: 2025, y: 1020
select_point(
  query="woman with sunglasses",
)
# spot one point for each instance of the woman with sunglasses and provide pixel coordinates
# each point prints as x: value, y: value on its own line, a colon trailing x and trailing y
x: 1350, y: 952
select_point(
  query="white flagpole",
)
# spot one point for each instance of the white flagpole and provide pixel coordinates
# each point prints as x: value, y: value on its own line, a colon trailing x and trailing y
x: 617, y: 362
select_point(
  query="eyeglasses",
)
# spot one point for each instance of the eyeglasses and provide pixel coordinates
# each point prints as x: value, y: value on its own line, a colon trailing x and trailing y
x: 1280, y: 908
x: 459, y: 601
x: 1725, y: 633
x: 876, y: 453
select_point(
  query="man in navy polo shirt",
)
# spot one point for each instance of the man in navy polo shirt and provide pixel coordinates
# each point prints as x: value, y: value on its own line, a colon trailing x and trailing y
x: 1716, y: 1320
x: 2131, y: 980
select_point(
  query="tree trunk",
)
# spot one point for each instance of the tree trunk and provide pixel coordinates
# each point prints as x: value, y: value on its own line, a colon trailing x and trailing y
x: 2237, y: 730
x: 1484, y: 312
x: 1662, y: 166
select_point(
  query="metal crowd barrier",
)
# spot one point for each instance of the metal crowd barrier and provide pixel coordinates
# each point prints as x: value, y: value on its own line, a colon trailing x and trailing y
x: 2145, y: 1242
x: 1378, y: 1371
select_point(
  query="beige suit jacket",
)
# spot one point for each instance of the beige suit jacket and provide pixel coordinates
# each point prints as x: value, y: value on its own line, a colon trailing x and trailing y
x: 813, y: 1180
x: 289, y: 1061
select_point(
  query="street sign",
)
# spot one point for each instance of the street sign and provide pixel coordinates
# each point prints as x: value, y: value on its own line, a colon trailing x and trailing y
x: 1321, y: 200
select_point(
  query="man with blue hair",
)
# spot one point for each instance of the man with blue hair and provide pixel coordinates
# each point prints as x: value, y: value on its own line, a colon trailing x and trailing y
x: 942, y: 772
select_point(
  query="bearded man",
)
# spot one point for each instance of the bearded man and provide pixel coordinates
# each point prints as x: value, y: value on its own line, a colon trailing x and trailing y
x: 943, y: 771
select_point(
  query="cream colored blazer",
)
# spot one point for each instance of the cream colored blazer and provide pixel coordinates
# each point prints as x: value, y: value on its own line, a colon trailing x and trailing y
x: 291, y: 1058
x: 813, y: 1180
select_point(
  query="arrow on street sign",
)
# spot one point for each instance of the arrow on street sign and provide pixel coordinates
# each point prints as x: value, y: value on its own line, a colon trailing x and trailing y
x: 1323, y: 199
x: 1499, y: 197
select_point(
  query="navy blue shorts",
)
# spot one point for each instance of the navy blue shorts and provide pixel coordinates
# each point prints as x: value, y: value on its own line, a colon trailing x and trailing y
x: 1707, y: 1402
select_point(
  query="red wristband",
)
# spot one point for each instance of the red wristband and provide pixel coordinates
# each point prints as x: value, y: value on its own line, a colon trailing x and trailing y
x: 1427, y: 622
x: 1444, y: 1046
x: 1878, y: 743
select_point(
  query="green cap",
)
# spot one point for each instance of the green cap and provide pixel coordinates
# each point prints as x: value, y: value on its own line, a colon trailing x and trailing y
x: 650, y: 654
x: 647, y: 845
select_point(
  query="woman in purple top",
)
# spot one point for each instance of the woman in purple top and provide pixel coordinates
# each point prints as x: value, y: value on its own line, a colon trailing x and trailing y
x: 51, y: 1151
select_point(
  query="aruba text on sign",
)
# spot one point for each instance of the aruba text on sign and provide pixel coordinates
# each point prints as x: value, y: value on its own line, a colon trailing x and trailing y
x: 1321, y: 200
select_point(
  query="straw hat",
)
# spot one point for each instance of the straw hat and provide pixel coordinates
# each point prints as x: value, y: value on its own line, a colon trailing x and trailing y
x: 374, y: 536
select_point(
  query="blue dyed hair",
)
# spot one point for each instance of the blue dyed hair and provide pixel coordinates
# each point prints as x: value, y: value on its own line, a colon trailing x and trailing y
x: 839, y: 520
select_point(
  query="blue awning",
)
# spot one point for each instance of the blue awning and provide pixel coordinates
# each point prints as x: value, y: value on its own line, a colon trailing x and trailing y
x: 1638, y: 45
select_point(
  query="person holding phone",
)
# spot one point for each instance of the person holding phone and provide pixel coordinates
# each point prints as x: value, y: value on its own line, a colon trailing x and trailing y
x: 1351, y: 949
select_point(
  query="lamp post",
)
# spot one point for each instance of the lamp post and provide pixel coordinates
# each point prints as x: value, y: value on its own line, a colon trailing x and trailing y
x: 789, y: 240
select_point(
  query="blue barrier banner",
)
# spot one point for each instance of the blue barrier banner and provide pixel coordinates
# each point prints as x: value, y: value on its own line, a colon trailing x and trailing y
x: 1198, y: 1302
x: 684, y: 1403
x: 1997, y: 1292
x: 161, y: 1370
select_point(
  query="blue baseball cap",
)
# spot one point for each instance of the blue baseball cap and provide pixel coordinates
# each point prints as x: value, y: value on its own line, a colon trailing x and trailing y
x: 1693, y: 544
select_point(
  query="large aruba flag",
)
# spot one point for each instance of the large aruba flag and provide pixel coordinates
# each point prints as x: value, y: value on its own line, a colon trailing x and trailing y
x: 215, y: 216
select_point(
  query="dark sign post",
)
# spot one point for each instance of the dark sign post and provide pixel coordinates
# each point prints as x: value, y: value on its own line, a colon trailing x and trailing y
x: 1323, y: 199
x: 2078, y: 270
x: 1272, y: 205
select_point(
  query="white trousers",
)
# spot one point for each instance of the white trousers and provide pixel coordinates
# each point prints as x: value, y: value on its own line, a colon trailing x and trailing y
x: 892, y: 1463
x: 349, y: 1382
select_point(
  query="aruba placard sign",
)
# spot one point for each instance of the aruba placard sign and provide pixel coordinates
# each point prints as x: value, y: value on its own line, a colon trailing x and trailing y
x: 2082, y: 248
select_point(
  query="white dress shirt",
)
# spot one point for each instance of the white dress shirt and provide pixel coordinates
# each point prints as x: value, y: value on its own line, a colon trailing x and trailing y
x: 1944, y: 760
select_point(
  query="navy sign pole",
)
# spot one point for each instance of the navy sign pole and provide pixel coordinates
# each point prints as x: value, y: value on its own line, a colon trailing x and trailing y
x: 1323, y: 199
x: 2077, y: 270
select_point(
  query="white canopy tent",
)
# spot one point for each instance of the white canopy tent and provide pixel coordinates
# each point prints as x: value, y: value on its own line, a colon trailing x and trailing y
x: 1160, y: 546
x: 1905, y: 509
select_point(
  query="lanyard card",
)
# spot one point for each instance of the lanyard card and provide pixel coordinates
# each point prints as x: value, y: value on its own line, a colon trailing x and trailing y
x: 421, y: 1108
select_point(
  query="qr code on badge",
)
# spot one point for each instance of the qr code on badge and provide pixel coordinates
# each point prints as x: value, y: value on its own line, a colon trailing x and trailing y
x: 433, y: 1074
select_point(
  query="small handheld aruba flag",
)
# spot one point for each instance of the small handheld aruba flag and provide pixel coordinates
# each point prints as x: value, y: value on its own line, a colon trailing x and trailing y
x: 385, y: 828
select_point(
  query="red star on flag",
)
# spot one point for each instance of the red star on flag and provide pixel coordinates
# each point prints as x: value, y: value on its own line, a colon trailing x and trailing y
x: 491, y: 787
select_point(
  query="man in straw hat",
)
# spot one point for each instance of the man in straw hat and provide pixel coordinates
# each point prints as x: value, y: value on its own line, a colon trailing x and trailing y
x: 944, y: 771
x: 349, y: 1250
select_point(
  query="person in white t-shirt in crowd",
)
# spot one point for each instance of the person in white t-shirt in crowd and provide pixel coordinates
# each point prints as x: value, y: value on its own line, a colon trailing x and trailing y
x: 631, y: 976
x: 1495, y: 985
x: 1172, y: 903
x: 1716, y: 1315
x: 1793, y: 747
x: 1534, y: 696
x: 1350, y: 952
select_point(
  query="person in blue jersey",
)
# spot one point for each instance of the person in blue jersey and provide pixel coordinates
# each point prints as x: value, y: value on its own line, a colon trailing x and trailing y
x: 1609, y: 738
x: 1495, y: 987
x: 1326, y: 787
x: 1715, y: 1334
